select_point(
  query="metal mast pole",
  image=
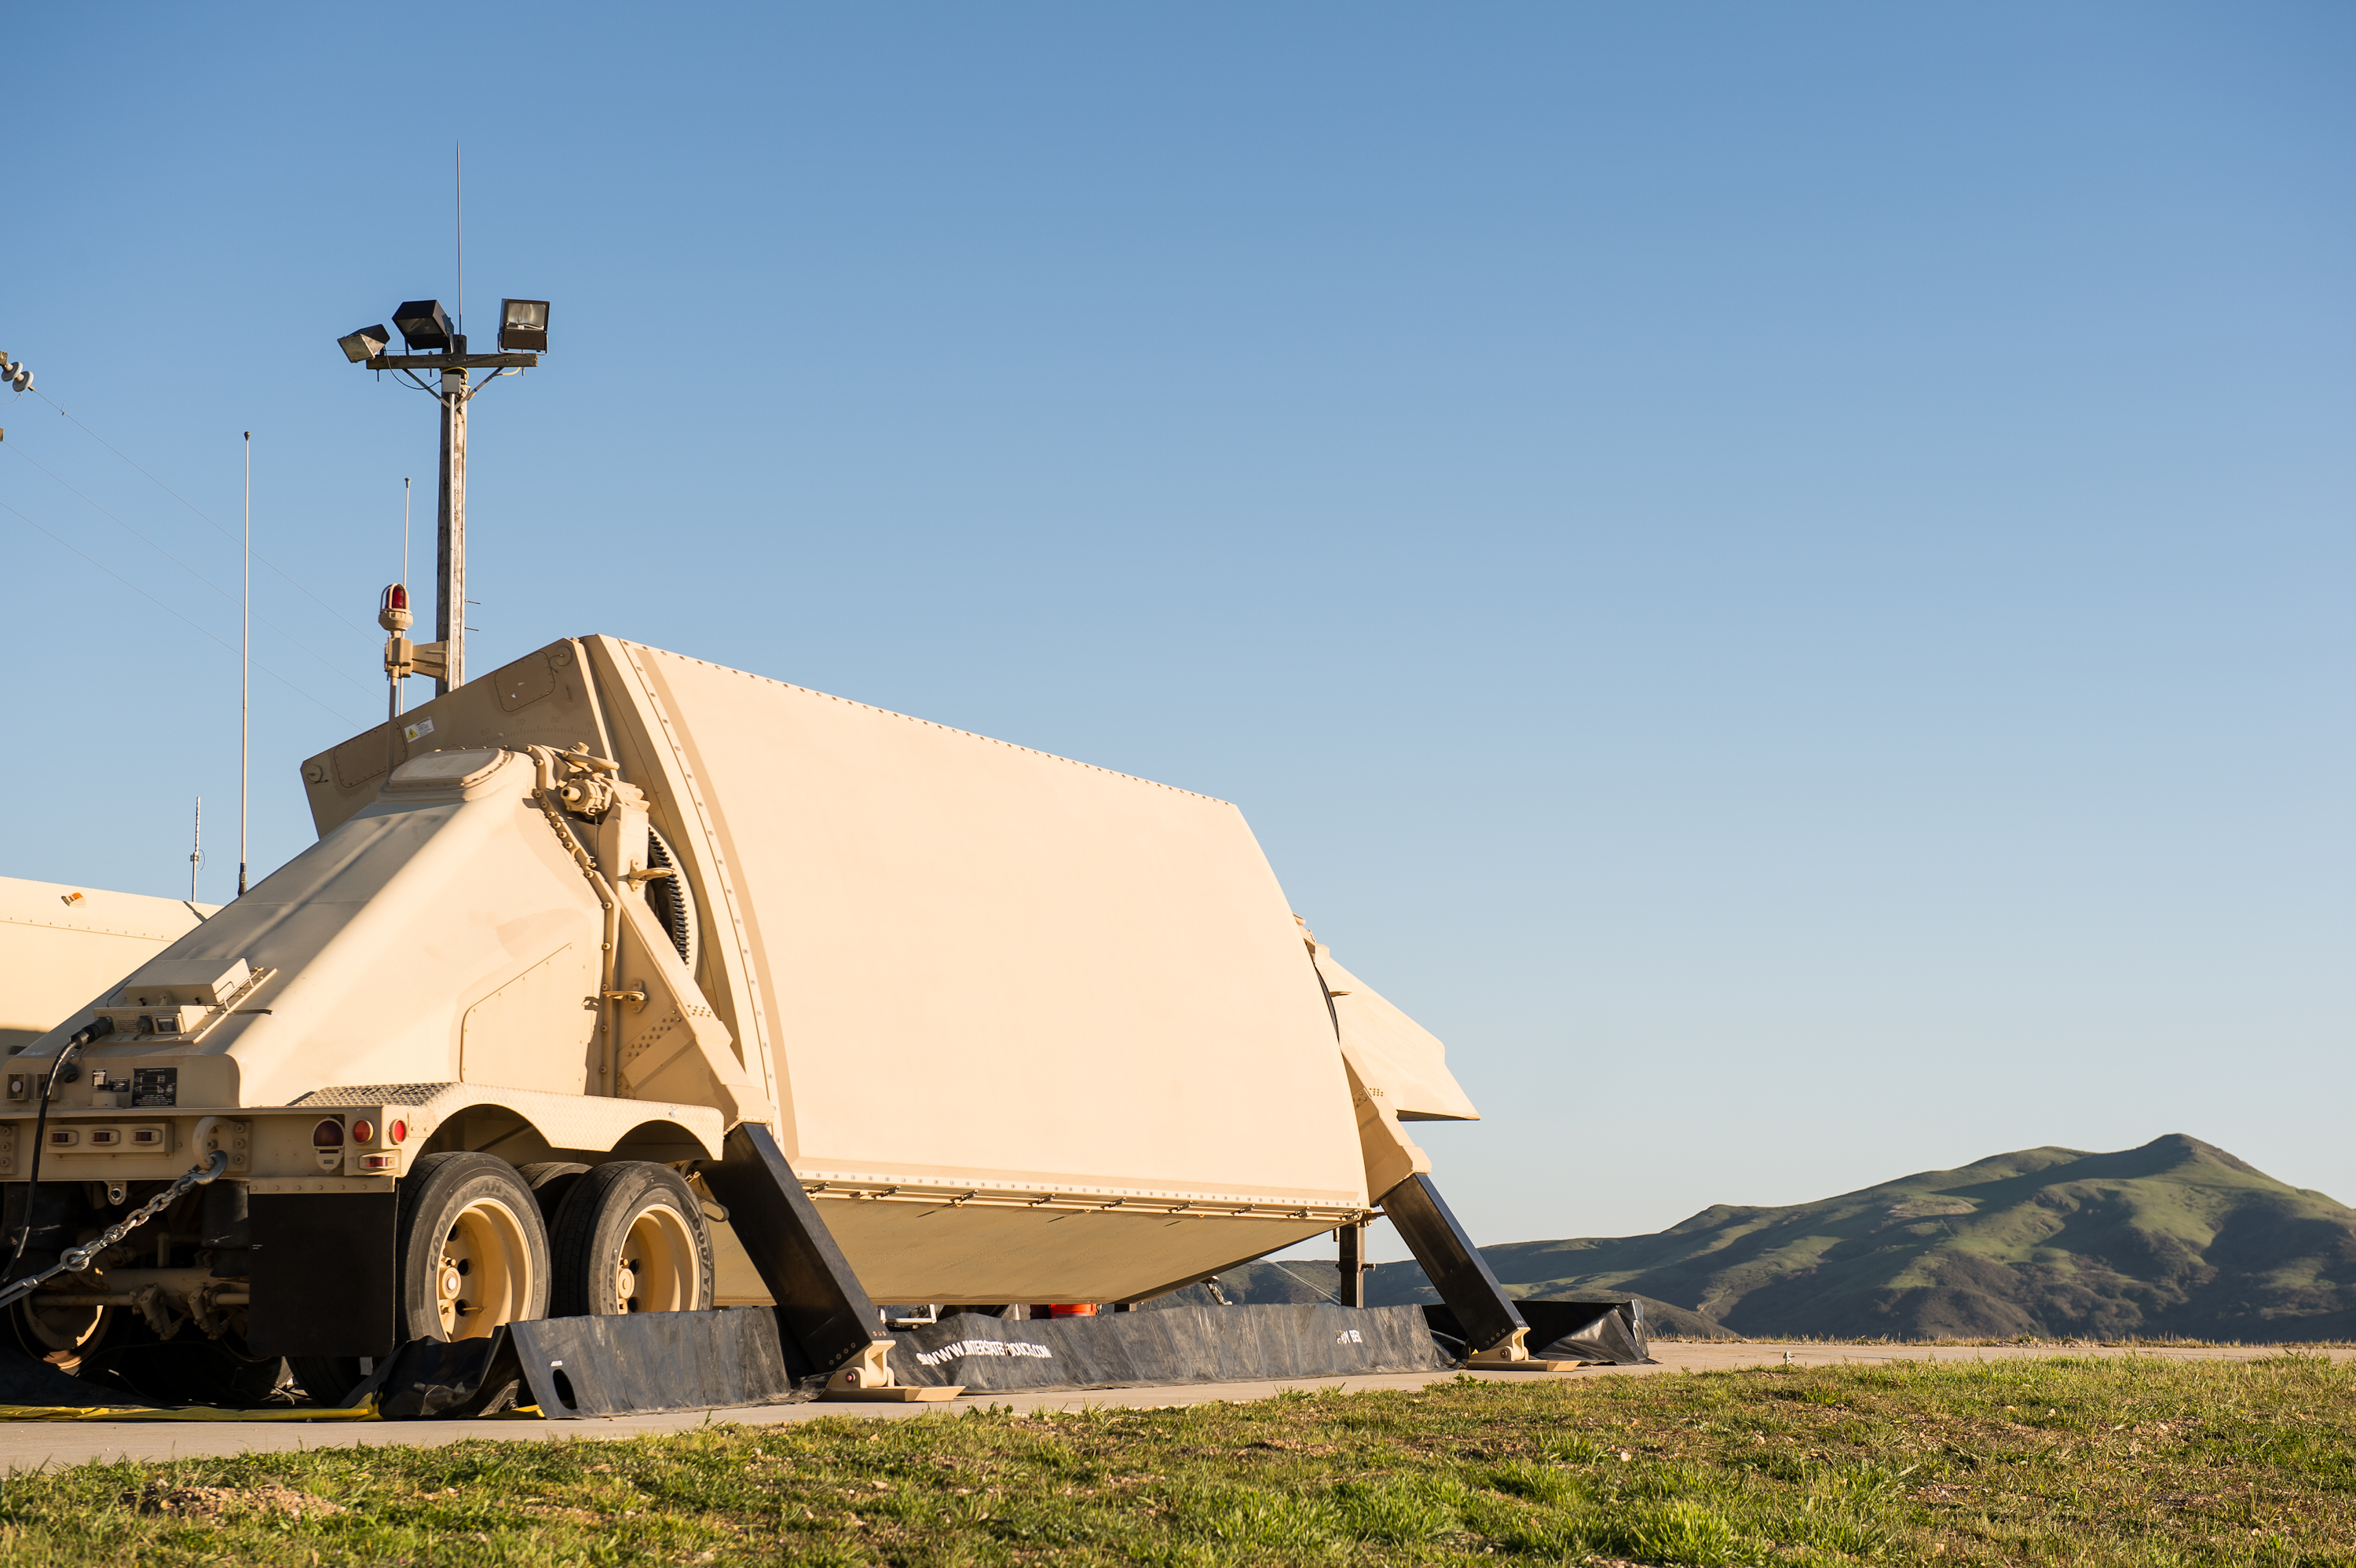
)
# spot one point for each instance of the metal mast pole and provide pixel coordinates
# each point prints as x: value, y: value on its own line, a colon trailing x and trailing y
x: 403, y: 581
x: 195, y: 848
x: 450, y: 590
x: 245, y: 666
x: 450, y: 596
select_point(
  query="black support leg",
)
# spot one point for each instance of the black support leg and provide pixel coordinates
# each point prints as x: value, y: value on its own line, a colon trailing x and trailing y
x: 1353, y: 1263
x: 1454, y: 1267
x: 821, y: 1306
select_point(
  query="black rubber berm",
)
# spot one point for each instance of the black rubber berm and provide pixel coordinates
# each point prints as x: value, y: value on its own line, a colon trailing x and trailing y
x: 630, y: 1237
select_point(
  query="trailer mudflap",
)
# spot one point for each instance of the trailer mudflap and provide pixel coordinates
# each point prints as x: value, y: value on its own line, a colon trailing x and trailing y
x: 323, y: 1273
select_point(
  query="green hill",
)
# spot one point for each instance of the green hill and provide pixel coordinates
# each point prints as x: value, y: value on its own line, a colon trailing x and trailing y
x: 2174, y: 1238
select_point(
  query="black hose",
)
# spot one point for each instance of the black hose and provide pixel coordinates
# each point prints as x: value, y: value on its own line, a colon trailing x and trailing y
x: 96, y: 1029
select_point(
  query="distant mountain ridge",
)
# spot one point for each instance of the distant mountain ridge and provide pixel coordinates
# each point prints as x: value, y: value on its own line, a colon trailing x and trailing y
x: 2177, y: 1238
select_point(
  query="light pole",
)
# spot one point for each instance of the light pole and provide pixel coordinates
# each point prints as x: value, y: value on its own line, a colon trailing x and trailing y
x: 14, y: 375
x: 436, y: 345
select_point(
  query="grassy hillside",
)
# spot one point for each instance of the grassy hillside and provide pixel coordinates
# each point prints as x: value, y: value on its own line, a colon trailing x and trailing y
x: 2176, y: 1238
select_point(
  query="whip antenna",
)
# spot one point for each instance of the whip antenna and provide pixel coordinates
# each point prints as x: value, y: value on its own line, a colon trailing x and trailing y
x: 245, y: 669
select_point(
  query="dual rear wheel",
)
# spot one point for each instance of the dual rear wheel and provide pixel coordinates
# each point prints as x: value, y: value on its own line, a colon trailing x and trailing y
x: 630, y: 1237
x: 480, y: 1243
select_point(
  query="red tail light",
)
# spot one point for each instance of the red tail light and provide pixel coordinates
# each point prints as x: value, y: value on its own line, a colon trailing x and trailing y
x: 328, y: 1134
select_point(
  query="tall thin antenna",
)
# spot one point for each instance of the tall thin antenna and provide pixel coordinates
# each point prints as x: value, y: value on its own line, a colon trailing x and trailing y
x: 458, y: 205
x: 245, y: 669
x: 197, y: 849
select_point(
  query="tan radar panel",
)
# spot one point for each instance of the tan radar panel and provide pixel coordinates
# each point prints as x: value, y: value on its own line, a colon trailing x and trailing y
x: 1406, y: 1058
x: 1048, y: 1031
x: 60, y: 946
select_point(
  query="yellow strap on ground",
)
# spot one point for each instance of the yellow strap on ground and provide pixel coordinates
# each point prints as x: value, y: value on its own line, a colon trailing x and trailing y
x: 211, y: 1412
x: 176, y: 1413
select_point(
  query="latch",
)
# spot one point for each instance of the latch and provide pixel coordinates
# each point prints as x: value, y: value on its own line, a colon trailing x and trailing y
x: 584, y: 783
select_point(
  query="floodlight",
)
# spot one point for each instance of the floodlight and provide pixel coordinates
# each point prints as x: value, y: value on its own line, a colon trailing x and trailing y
x: 422, y: 325
x: 364, y: 345
x: 523, y: 325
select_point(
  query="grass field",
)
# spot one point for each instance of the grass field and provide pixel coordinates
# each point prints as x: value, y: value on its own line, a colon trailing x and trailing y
x: 2081, y: 1461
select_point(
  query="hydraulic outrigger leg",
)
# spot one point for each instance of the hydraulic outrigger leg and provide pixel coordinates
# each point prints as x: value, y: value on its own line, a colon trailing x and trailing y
x: 823, y: 1312
x: 1494, y: 1330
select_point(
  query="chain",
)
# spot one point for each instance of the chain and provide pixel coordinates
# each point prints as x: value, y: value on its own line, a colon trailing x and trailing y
x: 74, y: 1259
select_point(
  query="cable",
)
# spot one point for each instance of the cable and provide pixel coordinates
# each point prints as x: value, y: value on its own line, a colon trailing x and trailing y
x: 1333, y: 1295
x: 265, y: 560
x: 96, y: 1029
x: 135, y: 533
x: 135, y: 588
x: 191, y: 570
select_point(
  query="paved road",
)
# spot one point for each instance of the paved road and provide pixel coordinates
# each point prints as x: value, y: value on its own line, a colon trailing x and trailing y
x: 31, y: 1445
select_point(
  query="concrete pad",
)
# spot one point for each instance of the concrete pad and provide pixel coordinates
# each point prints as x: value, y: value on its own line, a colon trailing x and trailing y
x: 27, y: 1446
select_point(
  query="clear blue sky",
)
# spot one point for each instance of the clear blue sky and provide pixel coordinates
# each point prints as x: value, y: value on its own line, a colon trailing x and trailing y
x: 1778, y: 575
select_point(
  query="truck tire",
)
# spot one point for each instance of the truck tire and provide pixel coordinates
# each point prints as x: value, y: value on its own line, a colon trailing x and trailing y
x: 630, y: 1237
x: 60, y: 1336
x: 550, y: 1181
x: 471, y: 1251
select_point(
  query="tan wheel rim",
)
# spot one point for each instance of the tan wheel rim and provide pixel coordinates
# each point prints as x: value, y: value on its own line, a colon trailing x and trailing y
x: 483, y: 1276
x: 62, y: 1332
x: 657, y: 1270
